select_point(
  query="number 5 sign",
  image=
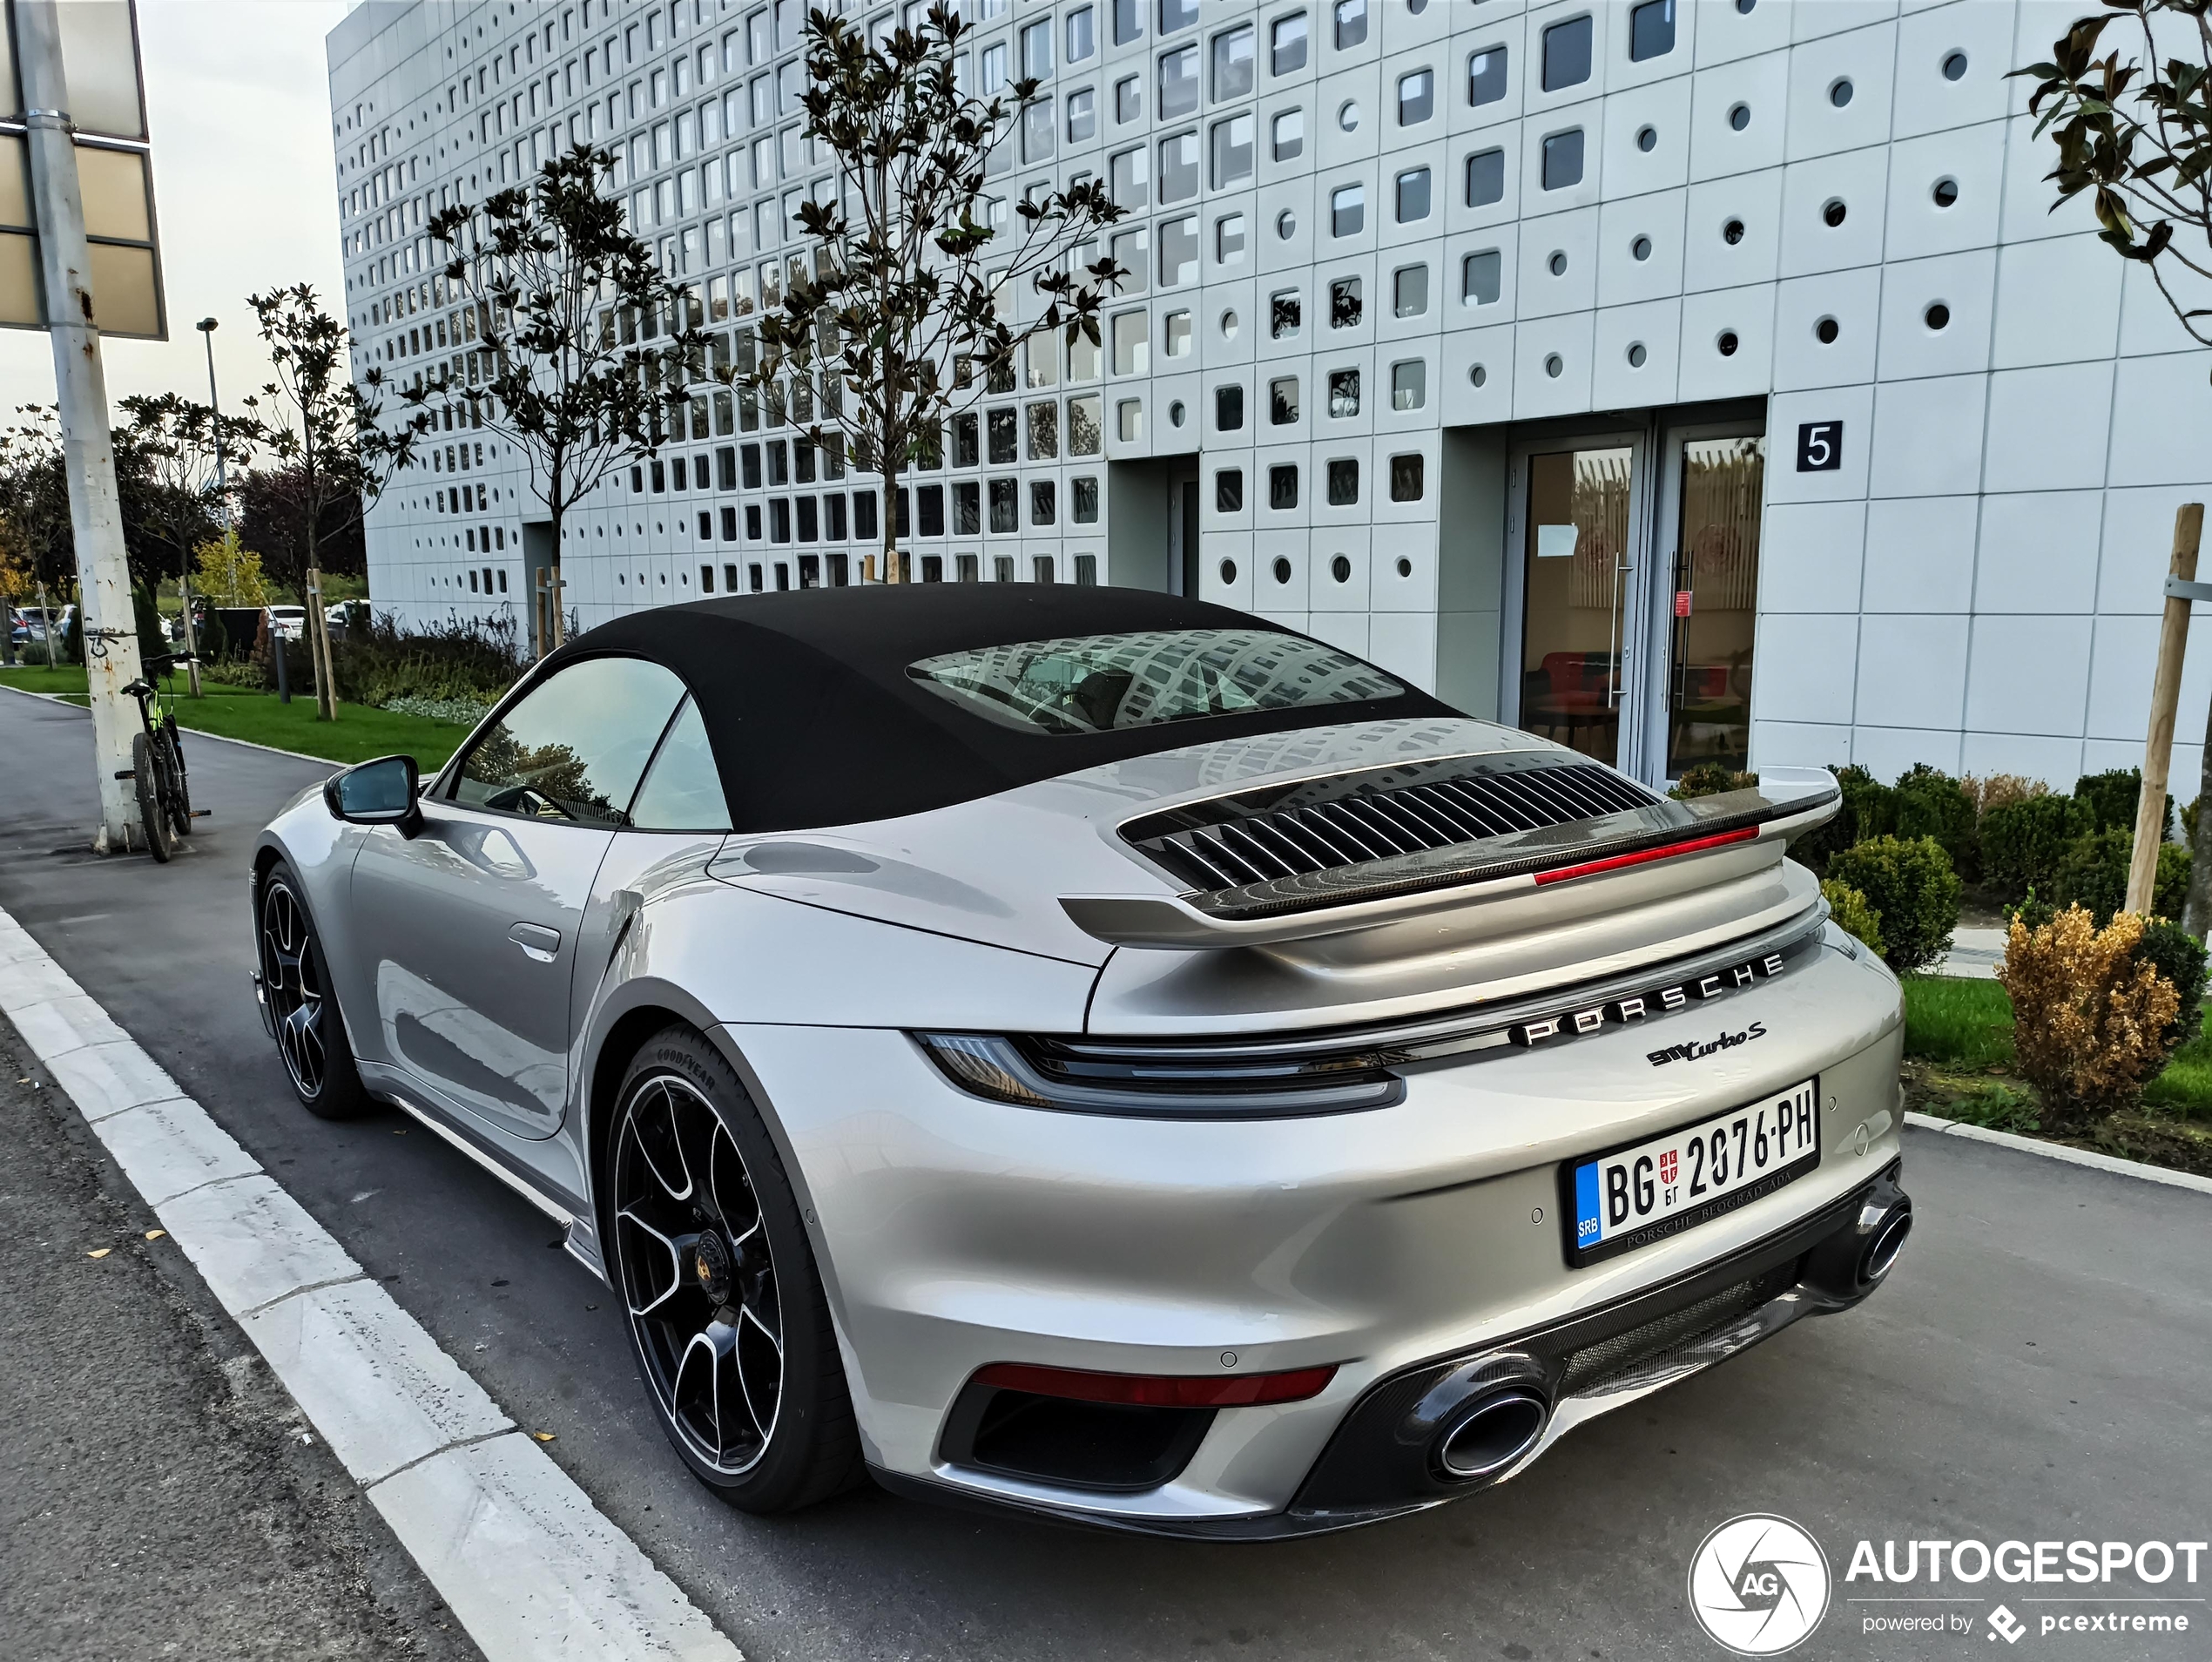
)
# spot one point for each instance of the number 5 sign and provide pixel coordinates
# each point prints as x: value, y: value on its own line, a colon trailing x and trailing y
x: 1820, y: 447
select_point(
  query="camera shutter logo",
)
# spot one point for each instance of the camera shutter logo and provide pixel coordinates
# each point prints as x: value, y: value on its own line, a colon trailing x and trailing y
x: 1758, y: 1584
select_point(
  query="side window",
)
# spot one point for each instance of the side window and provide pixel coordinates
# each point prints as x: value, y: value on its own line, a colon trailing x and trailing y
x: 682, y: 791
x: 572, y: 749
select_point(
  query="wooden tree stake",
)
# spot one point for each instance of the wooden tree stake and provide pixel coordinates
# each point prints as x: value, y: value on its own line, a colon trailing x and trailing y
x: 2165, y: 695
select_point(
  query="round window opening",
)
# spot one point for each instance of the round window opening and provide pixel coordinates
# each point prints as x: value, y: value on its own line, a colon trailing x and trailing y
x: 1825, y: 331
x: 1839, y: 92
x: 1348, y: 116
x: 1554, y: 366
x: 1174, y: 414
x: 1229, y: 326
x: 1954, y: 66
x: 1229, y: 570
x: 1641, y: 248
x: 1478, y: 376
x: 1740, y: 116
x: 1945, y: 192
x: 1340, y: 569
x: 1286, y: 225
x: 1744, y: 6
x: 1938, y: 316
x: 1282, y: 570
x: 1727, y: 343
x: 1832, y: 213
x: 1636, y: 355
x: 1405, y: 566
x: 1732, y: 233
x: 1557, y: 264
x: 1647, y: 138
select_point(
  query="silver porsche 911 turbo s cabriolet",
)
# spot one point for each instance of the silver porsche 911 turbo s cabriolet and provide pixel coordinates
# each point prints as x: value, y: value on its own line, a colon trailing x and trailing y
x: 1098, y: 1053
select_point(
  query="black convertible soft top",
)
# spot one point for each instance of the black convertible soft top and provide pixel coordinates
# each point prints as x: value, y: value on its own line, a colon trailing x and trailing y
x: 815, y: 721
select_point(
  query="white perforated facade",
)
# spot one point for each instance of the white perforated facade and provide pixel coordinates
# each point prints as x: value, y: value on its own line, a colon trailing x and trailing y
x: 1388, y: 271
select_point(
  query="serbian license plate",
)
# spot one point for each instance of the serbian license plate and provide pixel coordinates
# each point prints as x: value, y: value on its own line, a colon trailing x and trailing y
x: 1648, y: 1190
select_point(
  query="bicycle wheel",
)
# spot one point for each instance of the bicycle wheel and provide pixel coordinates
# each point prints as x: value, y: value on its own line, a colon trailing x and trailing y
x: 145, y: 775
x: 180, y: 792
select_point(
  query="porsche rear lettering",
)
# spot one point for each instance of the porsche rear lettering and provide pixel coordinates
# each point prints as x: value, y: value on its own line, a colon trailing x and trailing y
x: 1654, y: 1001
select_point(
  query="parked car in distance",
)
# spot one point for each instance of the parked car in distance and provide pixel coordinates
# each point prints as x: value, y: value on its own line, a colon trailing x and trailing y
x: 288, y: 623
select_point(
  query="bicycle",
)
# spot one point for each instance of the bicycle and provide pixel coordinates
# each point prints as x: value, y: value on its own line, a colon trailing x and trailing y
x: 158, y: 763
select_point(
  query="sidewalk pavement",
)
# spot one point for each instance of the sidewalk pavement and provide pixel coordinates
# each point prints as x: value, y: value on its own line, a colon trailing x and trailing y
x: 1974, y: 955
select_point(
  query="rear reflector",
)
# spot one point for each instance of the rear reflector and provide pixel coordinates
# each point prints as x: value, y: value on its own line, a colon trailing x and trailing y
x: 1644, y: 856
x: 1153, y: 1391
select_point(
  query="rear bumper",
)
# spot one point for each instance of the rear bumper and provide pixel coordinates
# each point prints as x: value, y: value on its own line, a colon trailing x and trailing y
x: 1383, y: 1462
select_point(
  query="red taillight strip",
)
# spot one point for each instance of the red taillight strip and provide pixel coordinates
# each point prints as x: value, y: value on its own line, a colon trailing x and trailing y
x: 1643, y: 856
x: 1159, y: 1390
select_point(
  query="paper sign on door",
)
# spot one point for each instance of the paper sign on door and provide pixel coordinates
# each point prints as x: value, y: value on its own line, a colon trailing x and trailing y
x: 1555, y: 542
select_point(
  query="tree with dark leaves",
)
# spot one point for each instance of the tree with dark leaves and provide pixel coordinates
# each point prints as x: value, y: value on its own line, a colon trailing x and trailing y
x: 899, y: 324
x: 575, y: 346
x: 316, y: 419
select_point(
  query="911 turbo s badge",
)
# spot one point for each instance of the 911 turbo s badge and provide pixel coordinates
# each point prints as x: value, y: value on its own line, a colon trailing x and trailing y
x: 1656, y: 1001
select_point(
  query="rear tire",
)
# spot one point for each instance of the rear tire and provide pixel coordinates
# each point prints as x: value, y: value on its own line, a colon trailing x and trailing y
x: 727, y: 1321
x: 145, y: 777
x: 295, y: 979
x: 180, y: 785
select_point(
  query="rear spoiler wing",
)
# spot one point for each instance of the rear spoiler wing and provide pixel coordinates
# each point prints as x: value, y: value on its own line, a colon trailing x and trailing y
x: 1787, y: 803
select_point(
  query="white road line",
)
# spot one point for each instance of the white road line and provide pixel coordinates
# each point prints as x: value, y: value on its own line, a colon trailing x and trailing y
x: 2089, y: 1158
x: 516, y: 1549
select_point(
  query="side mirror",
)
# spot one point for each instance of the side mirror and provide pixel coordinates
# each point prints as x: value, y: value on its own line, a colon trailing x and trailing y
x: 382, y: 792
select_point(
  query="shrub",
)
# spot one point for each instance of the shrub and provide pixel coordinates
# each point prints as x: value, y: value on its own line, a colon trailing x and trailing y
x: 1913, y: 891
x: 2093, y: 874
x: 2089, y: 1014
x: 2001, y: 790
x: 146, y: 619
x: 2113, y: 797
x: 2179, y: 956
x: 1710, y: 778
x: 1927, y: 803
x: 2022, y: 842
x: 1853, y: 914
x: 1863, y: 812
x: 462, y: 658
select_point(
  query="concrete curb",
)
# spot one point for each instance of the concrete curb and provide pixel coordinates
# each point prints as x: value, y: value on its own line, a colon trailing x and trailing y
x: 517, y: 1550
x: 2060, y: 1152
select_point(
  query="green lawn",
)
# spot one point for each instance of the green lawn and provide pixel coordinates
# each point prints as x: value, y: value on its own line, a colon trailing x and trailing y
x: 242, y: 712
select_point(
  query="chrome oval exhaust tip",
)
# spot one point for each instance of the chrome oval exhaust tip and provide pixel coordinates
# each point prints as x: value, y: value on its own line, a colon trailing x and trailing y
x: 1888, y: 1240
x: 1495, y: 1437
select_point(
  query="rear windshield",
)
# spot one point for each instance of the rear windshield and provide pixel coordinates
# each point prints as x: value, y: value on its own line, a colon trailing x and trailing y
x: 1106, y: 683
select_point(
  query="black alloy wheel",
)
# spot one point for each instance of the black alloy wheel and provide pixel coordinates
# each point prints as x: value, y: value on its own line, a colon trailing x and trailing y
x: 295, y: 982
x: 727, y: 1316
x: 145, y: 781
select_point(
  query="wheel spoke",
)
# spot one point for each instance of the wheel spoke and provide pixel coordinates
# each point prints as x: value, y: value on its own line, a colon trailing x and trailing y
x: 700, y: 1379
x: 675, y: 1246
x: 653, y: 1131
x: 760, y: 1371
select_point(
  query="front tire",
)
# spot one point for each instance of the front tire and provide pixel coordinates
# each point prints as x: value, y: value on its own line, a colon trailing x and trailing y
x: 295, y: 979
x: 725, y: 1308
x: 180, y: 785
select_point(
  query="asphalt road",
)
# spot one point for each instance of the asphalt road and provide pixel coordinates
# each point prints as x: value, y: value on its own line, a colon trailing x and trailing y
x: 2035, y: 1370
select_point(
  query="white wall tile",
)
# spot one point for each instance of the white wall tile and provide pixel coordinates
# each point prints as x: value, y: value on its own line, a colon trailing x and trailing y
x: 1849, y: 299
x: 1810, y: 556
x: 2038, y: 548
x: 2057, y: 762
x: 1490, y: 351
x: 2028, y: 212
x: 1786, y: 412
x: 2037, y: 423
x: 1537, y: 391
x: 1619, y: 383
x: 1964, y: 285
x: 1404, y: 644
x: 1920, y: 553
x: 1708, y: 320
x: 1664, y: 108
x: 1971, y: 161
x: 2058, y: 301
x: 1656, y: 220
x: 2148, y: 320
x: 1927, y: 436
x: 2126, y: 657
x: 1911, y: 671
x: 1568, y: 243
x: 1336, y: 573
x: 1854, y: 182
x: 1860, y: 66
x: 1827, y: 18
x: 1798, y: 744
x: 1749, y: 206
x: 1725, y: 32
x: 2161, y: 410
x: 2138, y: 548
x: 1804, y: 667
x: 1926, y: 98
x: 2029, y: 675
x: 1760, y: 86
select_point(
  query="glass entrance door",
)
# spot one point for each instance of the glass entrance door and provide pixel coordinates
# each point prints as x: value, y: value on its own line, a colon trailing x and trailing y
x: 1711, y: 607
x: 1578, y: 529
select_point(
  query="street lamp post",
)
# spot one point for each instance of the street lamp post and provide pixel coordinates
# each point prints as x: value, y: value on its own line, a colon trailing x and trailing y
x: 206, y: 327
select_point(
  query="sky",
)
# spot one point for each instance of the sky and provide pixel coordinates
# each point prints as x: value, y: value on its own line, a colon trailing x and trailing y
x: 238, y: 109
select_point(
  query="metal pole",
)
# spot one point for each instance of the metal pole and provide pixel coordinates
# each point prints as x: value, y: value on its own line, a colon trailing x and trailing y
x: 206, y: 327
x: 80, y: 387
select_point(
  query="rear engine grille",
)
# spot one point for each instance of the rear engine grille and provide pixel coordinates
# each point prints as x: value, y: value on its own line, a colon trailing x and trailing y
x: 1326, y: 825
x: 1654, y: 1340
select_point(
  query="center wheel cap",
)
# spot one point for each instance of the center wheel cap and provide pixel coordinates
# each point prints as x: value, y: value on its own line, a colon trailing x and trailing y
x: 711, y: 1264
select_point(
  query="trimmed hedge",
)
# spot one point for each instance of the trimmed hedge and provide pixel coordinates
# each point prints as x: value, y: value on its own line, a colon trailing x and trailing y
x: 2180, y: 956
x: 2093, y: 873
x: 2023, y: 842
x: 2113, y: 797
x: 1927, y: 803
x: 1853, y: 914
x: 1914, y: 892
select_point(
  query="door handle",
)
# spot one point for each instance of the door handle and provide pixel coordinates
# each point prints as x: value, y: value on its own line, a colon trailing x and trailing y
x: 538, y: 942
